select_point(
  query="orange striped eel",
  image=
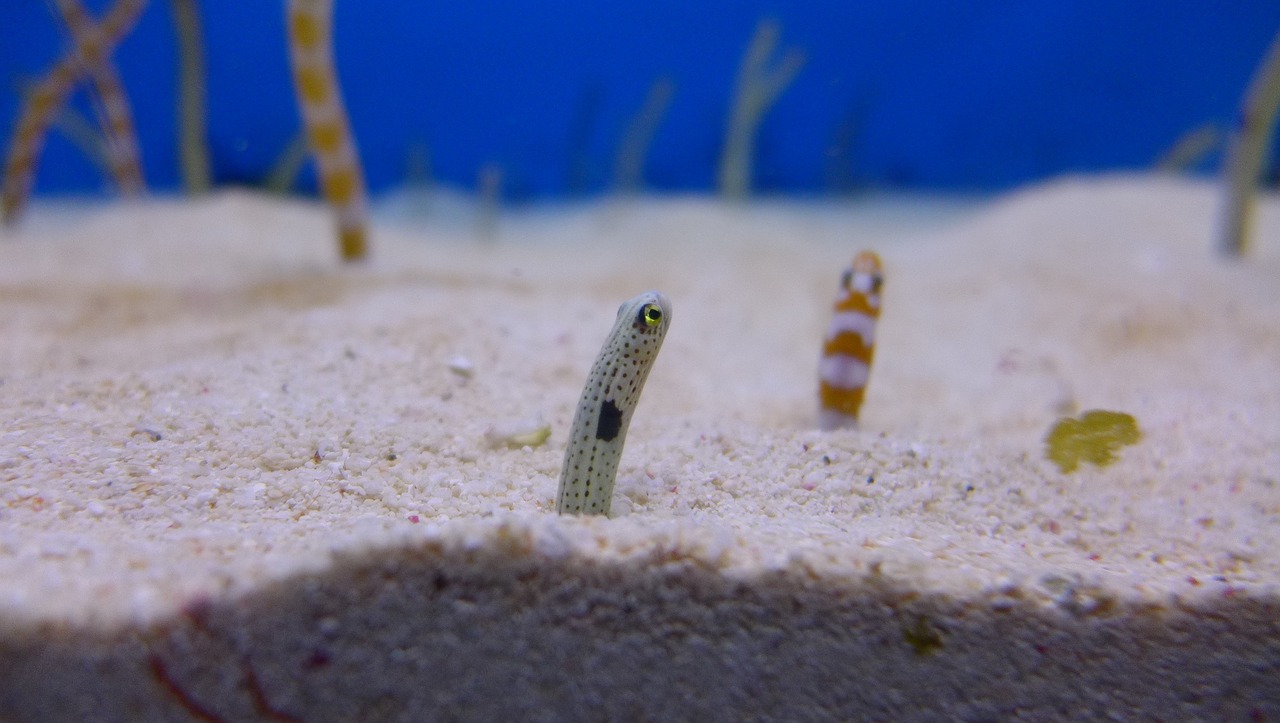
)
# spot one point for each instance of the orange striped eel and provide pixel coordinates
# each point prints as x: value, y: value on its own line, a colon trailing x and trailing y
x: 90, y: 54
x: 850, y: 343
x: 325, y: 117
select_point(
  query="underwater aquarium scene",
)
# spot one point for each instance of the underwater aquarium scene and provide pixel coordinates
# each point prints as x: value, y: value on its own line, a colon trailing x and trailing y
x: 639, y: 361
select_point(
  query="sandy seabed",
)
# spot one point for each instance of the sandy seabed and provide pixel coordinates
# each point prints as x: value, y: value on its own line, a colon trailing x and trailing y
x: 239, y: 481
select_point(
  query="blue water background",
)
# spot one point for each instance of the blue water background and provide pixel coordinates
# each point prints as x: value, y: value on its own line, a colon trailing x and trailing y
x: 915, y: 94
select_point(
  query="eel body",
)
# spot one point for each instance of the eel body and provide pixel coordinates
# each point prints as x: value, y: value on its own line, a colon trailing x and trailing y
x: 850, y: 343
x: 93, y: 45
x: 325, y: 117
x: 608, y: 401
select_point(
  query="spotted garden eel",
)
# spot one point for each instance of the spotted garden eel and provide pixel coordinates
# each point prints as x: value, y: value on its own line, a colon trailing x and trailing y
x: 608, y: 401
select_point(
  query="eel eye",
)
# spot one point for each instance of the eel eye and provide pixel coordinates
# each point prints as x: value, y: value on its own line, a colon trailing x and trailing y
x: 876, y: 282
x: 650, y: 315
x: 846, y: 279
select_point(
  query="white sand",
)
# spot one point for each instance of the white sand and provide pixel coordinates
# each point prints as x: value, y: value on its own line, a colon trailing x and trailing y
x: 239, y: 481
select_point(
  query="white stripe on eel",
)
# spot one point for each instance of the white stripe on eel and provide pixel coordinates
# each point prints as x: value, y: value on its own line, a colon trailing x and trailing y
x: 854, y: 322
x: 844, y: 372
x: 608, y: 401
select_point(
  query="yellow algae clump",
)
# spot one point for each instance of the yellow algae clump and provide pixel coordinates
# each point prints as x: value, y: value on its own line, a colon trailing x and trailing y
x: 1094, y: 438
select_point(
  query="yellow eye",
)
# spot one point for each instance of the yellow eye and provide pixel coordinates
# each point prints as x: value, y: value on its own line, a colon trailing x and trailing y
x: 651, y: 315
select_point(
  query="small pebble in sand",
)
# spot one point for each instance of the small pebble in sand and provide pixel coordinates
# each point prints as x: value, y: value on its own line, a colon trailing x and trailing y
x: 462, y: 366
x: 530, y: 432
